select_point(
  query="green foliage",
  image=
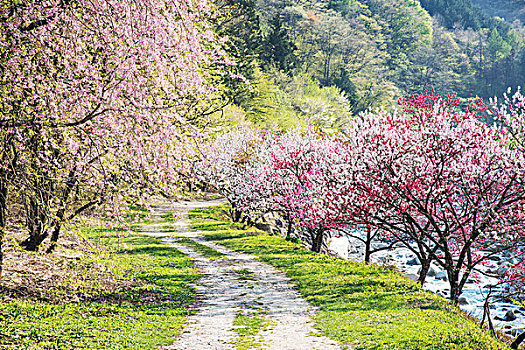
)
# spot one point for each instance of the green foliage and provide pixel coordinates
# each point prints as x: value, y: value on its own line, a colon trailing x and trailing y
x: 239, y: 22
x: 375, y: 51
x: 282, y: 101
x: 455, y: 12
x: 510, y: 10
x: 496, y: 46
x: 278, y: 47
x: 145, y: 315
x: 364, y: 306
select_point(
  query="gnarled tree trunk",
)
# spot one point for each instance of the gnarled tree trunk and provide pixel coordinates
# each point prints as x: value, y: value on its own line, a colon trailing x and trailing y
x: 3, y: 220
x: 36, y: 223
x: 425, y: 266
x: 317, y: 235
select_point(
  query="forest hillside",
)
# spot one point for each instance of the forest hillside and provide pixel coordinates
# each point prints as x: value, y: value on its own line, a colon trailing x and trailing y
x: 319, y: 61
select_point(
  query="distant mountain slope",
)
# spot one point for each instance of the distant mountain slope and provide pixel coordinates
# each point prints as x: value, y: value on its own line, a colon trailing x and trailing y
x: 510, y: 10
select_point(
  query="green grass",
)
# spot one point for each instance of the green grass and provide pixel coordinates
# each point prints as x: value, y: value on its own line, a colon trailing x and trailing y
x: 249, y: 323
x: 246, y: 275
x: 138, y: 215
x: 205, y: 251
x: 144, y: 314
x: 169, y: 217
x: 360, y: 305
x: 213, y: 213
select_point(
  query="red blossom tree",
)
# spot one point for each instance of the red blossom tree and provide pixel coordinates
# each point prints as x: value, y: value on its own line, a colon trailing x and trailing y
x: 443, y: 183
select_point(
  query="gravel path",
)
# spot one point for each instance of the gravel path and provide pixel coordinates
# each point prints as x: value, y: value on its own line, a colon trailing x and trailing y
x: 222, y: 293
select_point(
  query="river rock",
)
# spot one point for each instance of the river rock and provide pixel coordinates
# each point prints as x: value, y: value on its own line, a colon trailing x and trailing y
x: 502, y: 270
x: 509, y: 316
x: 432, y: 271
x: 413, y: 262
x: 442, y: 275
x: 463, y: 301
x: 412, y: 277
x: 340, y: 245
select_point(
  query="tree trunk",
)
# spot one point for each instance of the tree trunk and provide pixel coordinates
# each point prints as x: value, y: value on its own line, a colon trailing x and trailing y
x: 35, y: 239
x: 289, y: 228
x: 70, y: 184
x: 425, y: 266
x: 317, y: 239
x: 3, y: 220
x: 368, y: 245
x: 454, y: 291
x: 36, y: 225
x: 54, y: 236
x: 235, y: 214
x: 367, y: 252
x: 518, y: 341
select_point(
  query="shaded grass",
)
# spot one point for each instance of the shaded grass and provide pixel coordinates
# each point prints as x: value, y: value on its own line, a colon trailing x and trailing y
x: 169, y: 217
x: 360, y: 305
x: 206, y: 251
x: 144, y: 314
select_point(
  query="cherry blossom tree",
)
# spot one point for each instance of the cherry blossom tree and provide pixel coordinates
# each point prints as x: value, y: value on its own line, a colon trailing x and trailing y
x: 431, y: 177
x: 234, y: 164
x: 510, y: 114
x: 97, y: 97
x: 304, y: 167
x: 442, y: 182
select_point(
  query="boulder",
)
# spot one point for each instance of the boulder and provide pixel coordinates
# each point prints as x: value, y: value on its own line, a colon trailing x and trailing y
x: 442, y: 275
x: 502, y: 270
x: 414, y: 261
x: 463, y: 301
x: 412, y: 277
x: 340, y: 246
x: 509, y: 316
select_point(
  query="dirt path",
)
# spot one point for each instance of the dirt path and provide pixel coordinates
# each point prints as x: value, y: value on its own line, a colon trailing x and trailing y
x: 224, y: 291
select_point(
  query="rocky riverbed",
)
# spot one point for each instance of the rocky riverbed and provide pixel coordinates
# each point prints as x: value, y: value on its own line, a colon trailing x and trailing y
x: 507, y: 317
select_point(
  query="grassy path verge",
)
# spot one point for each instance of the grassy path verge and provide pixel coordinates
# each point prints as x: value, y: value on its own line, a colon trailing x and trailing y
x: 127, y: 293
x: 363, y: 306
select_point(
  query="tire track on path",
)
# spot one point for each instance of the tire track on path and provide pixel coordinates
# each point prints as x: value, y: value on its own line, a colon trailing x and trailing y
x: 222, y: 293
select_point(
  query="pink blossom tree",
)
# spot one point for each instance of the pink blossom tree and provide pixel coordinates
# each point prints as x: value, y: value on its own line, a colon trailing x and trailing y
x: 235, y: 165
x: 442, y: 182
x: 97, y: 97
x: 304, y: 165
x: 510, y: 114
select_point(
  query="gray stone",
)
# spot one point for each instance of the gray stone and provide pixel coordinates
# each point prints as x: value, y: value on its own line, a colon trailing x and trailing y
x: 502, y: 270
x: 463, y: 301
x: 413, y: 262
x: 442, y: 275
x: 509, y: 316
x: 431, y: 271
x: 412, y: 276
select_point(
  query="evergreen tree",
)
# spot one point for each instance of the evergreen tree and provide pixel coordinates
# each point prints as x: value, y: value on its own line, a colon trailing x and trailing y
x: 278, y: 47
x: 238, y: 20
